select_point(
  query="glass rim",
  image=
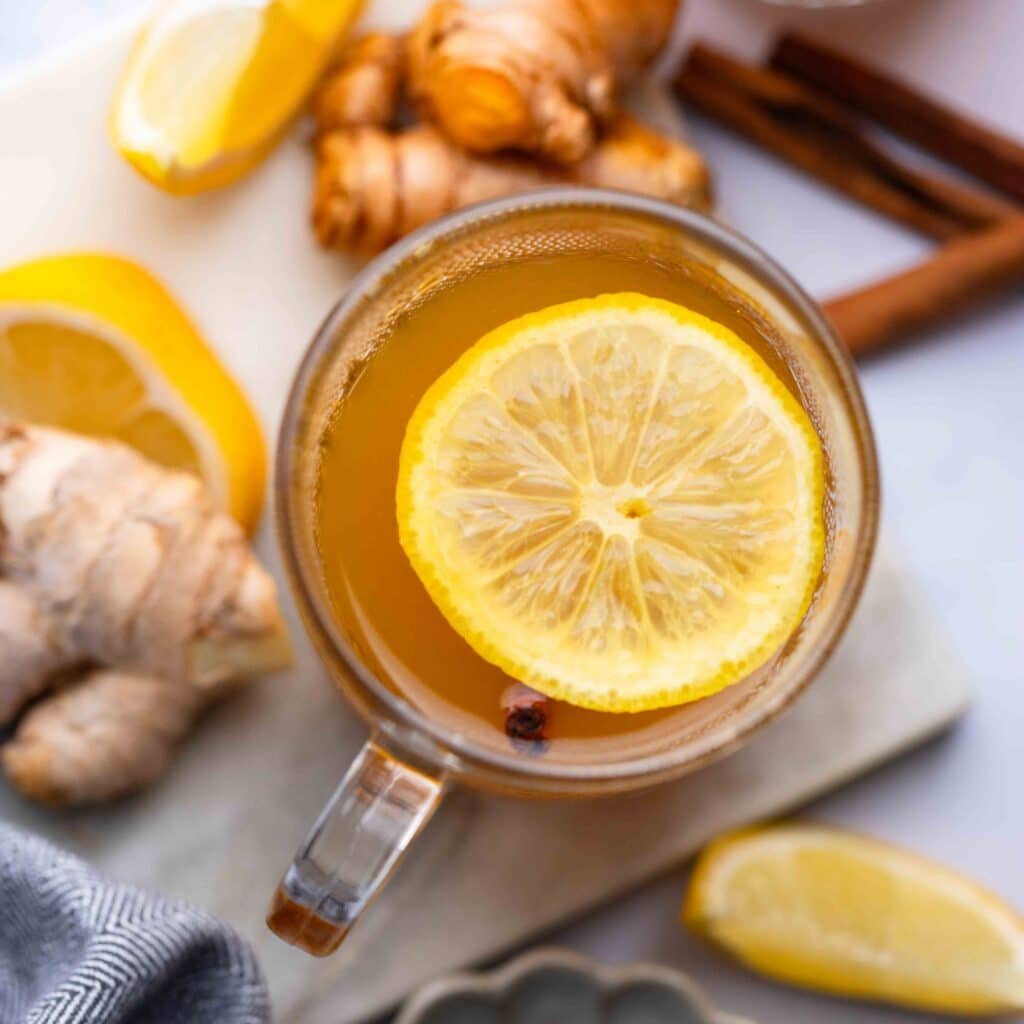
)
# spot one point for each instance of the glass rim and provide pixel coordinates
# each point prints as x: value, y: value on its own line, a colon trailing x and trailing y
x: 318, y: 615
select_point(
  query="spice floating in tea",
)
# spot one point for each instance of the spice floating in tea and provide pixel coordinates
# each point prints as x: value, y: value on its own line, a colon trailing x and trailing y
x: 526, y: 717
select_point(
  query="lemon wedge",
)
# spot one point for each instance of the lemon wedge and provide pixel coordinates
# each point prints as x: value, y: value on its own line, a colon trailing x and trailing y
x: 93, y: 343
x: 616, y: 501
x: 211, y: 85
x: 842, y: 913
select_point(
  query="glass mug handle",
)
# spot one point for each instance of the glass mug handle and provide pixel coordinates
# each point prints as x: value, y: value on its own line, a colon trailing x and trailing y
x: 377, y: 810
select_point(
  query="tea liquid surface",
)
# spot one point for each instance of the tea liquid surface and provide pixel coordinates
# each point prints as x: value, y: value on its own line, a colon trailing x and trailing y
x: 388, y: 616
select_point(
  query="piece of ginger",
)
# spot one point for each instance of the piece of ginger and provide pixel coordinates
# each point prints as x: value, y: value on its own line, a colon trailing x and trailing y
x: 534, y: 75
x: 122, y: 576
x: 373, y: 185
x: 103, y: 735
x: 364, y: 86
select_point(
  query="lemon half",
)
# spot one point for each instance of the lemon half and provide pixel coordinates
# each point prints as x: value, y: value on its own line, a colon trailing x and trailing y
x: 616, y: 501
x: 93, y: 343
x: 843, y: 913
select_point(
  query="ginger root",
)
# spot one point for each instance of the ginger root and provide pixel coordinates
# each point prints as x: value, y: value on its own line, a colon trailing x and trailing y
x: 104, y: 735
x: 373, y: 186
x: 533, y: 75
x: 108, y: 561
x: 375, y: 183
x: 365, y: 85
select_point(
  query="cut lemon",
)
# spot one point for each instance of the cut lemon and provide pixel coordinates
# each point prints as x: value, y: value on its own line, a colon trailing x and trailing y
x: 615, y: 501
x: 93, y: 343
x: 211, y: 85
x: 845, y: 914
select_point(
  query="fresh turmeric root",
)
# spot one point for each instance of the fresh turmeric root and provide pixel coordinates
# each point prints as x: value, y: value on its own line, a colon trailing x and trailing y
x: 534, y: 75
x: 119, y: 578
x: 374, y: 184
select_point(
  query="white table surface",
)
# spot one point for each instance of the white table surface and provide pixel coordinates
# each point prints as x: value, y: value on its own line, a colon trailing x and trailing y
x: 949, y: 416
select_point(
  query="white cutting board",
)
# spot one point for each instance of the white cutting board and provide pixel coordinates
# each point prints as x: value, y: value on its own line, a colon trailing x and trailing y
x: 490, y: 873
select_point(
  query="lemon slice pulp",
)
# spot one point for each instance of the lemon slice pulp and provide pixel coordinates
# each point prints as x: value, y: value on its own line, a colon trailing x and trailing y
x: 846, y: 914
x: 211, y: 84
x: 93, y: 343
x: 616, y: 501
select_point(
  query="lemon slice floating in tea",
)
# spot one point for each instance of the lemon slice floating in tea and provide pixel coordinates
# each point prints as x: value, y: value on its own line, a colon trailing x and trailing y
x: 616, y: 501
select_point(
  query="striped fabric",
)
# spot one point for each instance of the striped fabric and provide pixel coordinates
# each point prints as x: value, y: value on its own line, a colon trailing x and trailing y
x: 76, y: 948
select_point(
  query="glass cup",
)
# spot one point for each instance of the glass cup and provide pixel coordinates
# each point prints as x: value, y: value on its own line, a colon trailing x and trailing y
x: 398, y: 780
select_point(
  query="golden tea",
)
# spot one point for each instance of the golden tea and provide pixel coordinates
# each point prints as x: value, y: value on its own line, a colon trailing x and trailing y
x: 393, y: 623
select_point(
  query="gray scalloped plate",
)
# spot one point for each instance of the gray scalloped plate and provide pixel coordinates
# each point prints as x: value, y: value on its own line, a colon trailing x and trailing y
x: 554, y: 986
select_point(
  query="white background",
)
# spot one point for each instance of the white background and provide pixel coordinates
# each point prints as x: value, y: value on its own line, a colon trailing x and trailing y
x: 949, y: 416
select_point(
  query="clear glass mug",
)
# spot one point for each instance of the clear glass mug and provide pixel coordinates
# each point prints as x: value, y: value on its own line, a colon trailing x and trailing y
x: 397, y: 781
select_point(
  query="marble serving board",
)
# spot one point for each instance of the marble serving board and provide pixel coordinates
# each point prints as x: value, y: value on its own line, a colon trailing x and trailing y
x: 490, y: 873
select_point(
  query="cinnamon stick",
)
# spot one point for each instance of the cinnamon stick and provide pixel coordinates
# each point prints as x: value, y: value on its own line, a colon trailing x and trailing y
x: 961, y: 274
x: 822, y: 139
x: 949, y: 134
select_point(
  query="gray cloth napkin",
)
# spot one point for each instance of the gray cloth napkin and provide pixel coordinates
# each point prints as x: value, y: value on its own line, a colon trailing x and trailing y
x: 77, y: 948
